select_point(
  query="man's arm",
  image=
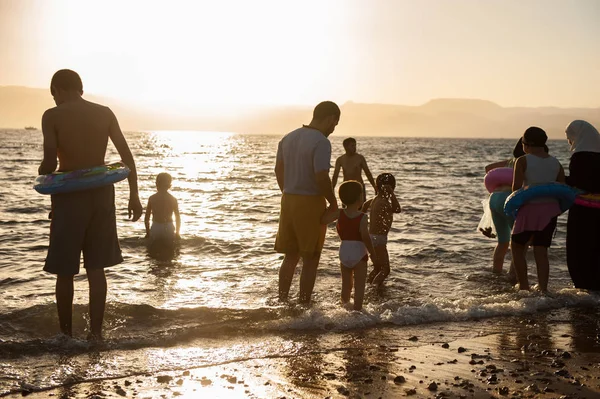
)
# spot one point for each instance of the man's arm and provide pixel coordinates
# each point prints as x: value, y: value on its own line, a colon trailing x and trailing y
x: 177, y: 217
x: 321, y: 166
x: 116, y: 136
x: 49, y: 162
x: 330, y: 216
x: 519, y: 173
x: 364, y: 166
x: 324, y: 183
x: 147, y: 217
x: 336, y: 172
x: 279, y: 173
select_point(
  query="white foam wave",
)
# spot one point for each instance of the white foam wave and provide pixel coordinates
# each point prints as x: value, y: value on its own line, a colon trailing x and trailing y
x: 333, y: 317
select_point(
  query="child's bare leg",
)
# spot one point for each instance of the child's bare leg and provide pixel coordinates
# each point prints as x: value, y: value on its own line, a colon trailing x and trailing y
x: 518, y: 253
x: 374, y: 272
x: 543, y: 266
x: 360, y: 279
x: 383, y: 259
x: 512, y: 273
x: 499, y: 254
x: 346, y: 283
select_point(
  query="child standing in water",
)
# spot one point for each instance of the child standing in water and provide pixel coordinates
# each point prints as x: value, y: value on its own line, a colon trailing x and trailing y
x: 383, y: 207
x: 502, y: 222
x: 352, y: 227
x: 536, y: 220
x: 162, y: 206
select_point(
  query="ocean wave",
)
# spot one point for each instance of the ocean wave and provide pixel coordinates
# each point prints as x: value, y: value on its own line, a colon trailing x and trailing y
x: 131, y: 326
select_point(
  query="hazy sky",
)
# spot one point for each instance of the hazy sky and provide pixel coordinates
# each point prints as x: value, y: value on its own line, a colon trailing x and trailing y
x: 190, y: 53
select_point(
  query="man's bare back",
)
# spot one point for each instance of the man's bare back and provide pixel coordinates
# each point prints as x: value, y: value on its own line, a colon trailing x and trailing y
x: 82, y: 128
x: 352, y: 166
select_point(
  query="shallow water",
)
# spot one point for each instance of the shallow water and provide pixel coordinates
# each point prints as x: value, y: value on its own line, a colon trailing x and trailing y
x: 216, y: 299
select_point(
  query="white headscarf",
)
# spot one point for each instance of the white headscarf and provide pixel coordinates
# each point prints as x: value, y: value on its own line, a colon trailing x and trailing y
x: 583, y: 136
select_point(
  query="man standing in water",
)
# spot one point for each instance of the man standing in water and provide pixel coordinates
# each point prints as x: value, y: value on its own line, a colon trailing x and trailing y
x: 352, y: 165
x: 77, y: 132
x: 302, y: 171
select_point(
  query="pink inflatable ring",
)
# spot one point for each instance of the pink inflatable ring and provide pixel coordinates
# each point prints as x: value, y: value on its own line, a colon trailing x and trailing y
x: 588, y: 200
x: 498, y: 177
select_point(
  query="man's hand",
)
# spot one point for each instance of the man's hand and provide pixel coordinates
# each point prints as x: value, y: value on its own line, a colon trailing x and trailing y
x: 135, y: 208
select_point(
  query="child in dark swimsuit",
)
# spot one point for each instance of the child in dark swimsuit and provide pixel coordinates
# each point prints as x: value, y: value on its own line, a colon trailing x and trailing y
x: 352, y: 227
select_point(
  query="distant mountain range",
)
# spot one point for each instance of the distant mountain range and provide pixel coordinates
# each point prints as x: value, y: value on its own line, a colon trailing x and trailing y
x: 23, y: 106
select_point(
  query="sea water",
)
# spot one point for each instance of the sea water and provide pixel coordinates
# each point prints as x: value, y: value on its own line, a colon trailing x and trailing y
x: 216, y: 300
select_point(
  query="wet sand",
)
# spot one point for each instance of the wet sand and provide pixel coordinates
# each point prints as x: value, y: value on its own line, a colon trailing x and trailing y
x: 546, y: 356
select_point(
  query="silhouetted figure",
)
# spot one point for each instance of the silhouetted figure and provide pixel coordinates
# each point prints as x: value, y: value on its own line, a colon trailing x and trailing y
x: 352, y: 165
x: 161, y: 207
x: 77, y: 132
x: 302, y: 171
x: 583, y: 225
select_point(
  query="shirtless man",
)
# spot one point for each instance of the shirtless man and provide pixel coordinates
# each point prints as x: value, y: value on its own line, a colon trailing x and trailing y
x: 77, y: 132
x: 352, y: 165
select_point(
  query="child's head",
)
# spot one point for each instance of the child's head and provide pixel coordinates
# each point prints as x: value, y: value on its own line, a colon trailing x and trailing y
x: 534, y: 137
x: 518, y: 150
x: 385, y: 179
x: 351, y: 192
x: 349, y: 145
x: 163, y: 181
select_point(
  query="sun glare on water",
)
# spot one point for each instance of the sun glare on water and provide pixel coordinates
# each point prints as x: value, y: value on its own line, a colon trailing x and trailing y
x: 199, y: 163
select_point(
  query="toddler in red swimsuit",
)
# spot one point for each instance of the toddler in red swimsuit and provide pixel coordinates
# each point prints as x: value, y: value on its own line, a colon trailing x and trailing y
x: 352, y: 227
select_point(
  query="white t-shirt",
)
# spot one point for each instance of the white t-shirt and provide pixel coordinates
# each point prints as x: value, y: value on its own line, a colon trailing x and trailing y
x: 541, y: 170
x: 304, y: 152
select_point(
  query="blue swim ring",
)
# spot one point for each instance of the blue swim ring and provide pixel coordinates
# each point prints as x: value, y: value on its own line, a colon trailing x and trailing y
x: 565, y: 195
x: 82, y: 179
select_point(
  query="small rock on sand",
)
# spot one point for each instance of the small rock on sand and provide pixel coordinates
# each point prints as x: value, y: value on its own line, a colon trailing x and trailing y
x: 399, y: 380
x: 163, y: 379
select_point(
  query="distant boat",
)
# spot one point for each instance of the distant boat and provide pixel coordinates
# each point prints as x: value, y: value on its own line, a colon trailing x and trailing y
x: 30, y: 128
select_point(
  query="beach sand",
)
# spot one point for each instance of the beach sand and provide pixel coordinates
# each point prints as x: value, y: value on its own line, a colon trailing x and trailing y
x: 554, y: 355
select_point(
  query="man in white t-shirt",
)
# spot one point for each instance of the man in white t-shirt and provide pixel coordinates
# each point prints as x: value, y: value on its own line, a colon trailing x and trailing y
x: 302, y: 171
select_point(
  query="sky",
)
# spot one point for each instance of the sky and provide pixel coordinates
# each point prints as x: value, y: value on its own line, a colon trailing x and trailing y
x: 221, y: 53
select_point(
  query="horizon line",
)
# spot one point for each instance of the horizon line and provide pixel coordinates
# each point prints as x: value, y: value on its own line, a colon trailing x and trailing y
x: 250, y: 106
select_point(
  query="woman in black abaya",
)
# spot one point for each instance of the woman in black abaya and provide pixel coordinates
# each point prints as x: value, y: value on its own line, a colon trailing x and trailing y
x: 583, y: 225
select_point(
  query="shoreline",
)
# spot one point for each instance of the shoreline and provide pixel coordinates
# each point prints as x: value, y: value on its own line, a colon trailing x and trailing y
x: 545, y: 356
